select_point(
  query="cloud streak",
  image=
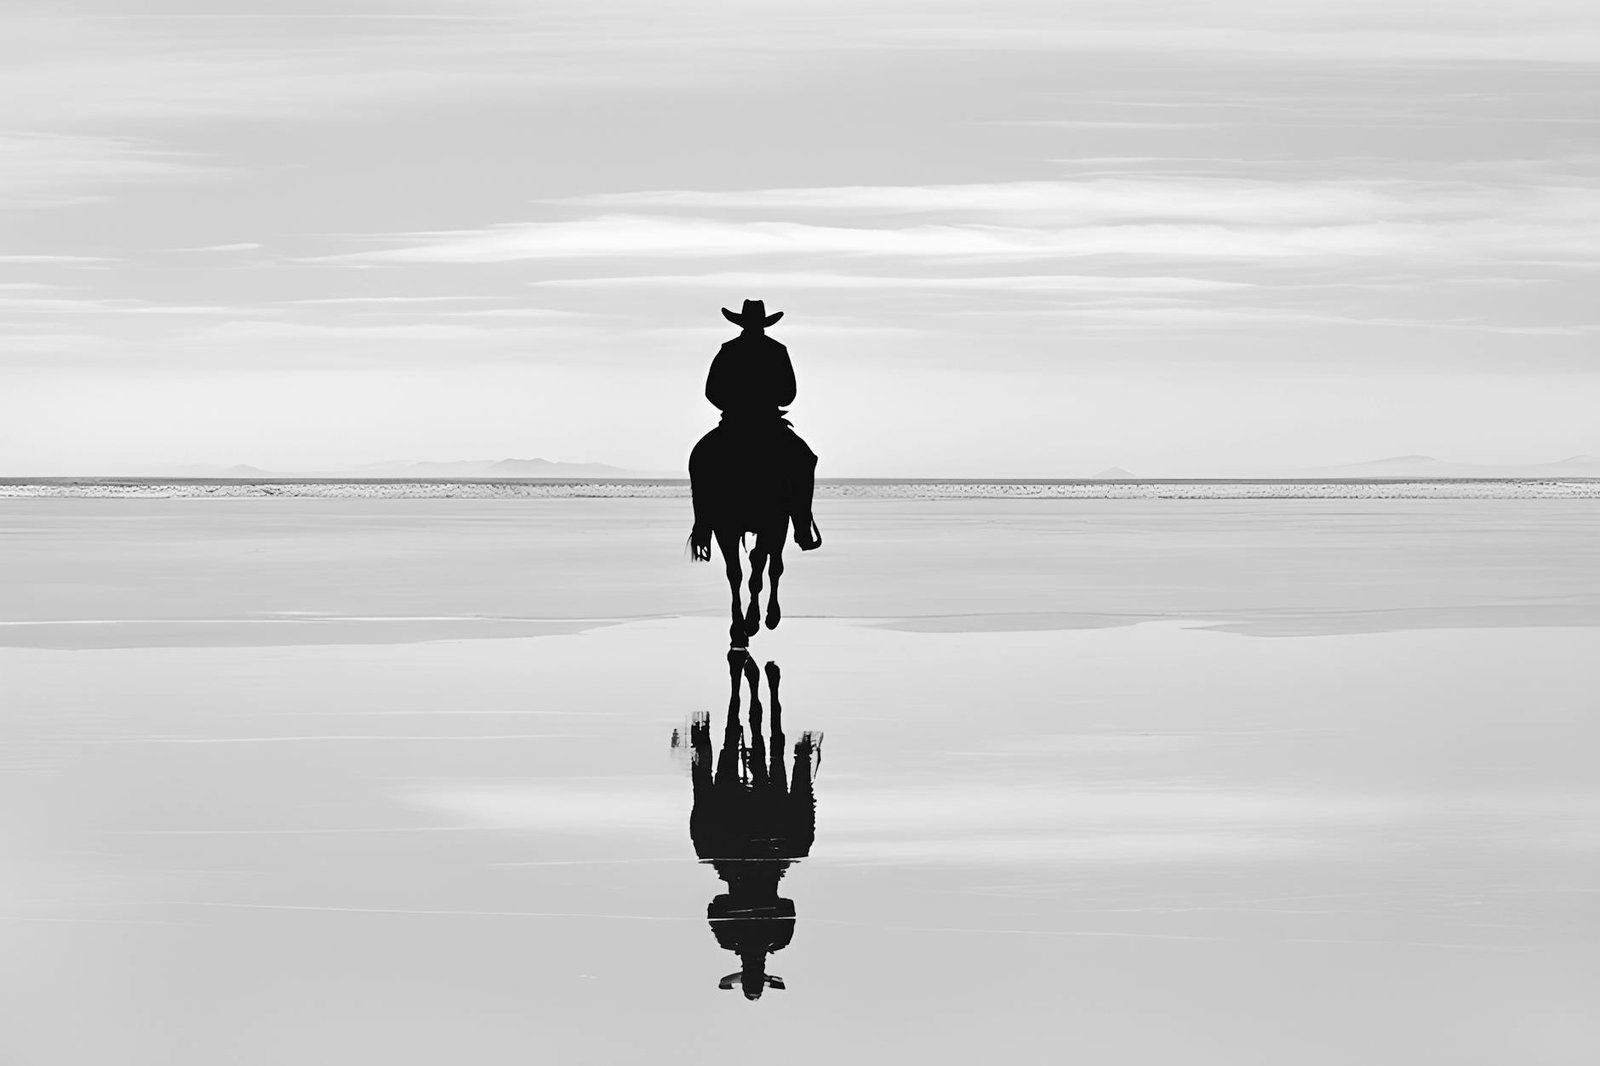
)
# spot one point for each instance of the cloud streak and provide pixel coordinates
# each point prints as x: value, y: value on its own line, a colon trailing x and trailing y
x: 1037, y: 283
x: 39, y: 169
x: 1045, y: 203
x: 1199, y: 219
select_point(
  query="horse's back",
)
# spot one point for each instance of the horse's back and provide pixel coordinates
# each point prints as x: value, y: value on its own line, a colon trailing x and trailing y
x: 739, y: 473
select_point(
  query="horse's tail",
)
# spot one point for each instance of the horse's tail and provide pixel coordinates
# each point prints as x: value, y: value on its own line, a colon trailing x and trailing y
x: 697, y: 552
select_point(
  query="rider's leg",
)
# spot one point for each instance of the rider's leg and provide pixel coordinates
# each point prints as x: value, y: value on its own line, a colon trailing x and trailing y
x: 702, y: 476
x: 802, y: 463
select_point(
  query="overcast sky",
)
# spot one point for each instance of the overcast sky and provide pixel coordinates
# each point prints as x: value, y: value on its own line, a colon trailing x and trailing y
x: 1011, y: 237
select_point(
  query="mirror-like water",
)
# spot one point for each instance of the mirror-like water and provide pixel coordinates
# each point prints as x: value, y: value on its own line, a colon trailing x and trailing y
x: 1147, y: 843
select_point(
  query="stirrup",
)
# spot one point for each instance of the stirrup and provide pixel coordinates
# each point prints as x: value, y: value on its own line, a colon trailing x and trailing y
x: 811, y: 539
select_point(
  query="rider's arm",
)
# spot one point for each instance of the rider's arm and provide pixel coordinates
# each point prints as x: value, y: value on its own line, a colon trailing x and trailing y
x: 783, y: 376
x: 719, y: 383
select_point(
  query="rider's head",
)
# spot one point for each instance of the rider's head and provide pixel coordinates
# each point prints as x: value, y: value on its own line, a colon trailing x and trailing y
x: 753, y: 318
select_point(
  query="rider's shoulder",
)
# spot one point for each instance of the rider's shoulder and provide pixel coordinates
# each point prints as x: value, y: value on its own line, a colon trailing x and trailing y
x: 747, y: 343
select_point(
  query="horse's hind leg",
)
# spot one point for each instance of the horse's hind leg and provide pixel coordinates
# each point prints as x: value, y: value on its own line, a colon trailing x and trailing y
x: 775, y: 569
x: 758, y: 563
x: 729, y: 543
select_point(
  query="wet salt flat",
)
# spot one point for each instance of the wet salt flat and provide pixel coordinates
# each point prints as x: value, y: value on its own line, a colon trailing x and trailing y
x: 830, y: 489
x: 308, y: 781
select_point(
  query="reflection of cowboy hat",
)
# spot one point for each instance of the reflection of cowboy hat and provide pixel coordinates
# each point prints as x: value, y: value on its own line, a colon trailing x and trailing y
x: 753, y: 984
x: 754, y: 314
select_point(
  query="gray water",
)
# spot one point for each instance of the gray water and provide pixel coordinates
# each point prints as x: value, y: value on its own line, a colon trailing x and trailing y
x: 283, y: 781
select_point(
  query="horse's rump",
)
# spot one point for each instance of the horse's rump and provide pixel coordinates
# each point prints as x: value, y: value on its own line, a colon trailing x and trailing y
x: 742, y: 474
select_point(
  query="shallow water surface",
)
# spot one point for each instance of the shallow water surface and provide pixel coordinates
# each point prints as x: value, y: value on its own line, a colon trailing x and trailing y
x: 1153, y: 842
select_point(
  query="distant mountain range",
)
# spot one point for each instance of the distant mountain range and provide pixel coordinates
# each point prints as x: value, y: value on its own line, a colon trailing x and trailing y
x: 461, y: 468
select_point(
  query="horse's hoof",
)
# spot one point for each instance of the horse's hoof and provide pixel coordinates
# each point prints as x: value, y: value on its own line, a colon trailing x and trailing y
x: 752, y: 621
x: 774, y: 615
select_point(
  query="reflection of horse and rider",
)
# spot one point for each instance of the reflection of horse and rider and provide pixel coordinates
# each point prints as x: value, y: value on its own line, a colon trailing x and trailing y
x: 752, y: 473
x: 751, y: 822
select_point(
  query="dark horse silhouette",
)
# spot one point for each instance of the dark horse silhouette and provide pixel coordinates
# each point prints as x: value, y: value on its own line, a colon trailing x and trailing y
x: 751, y: 823
x: 752, y: 473
x: 739, y: 491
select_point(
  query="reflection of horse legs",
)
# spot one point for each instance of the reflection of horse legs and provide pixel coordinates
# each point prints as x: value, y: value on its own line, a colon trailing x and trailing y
x: 758, y: 745
x: 779, y: 775
x: 730, y: 760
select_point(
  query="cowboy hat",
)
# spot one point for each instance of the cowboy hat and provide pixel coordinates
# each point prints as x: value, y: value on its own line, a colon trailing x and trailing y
x: 753, y: 314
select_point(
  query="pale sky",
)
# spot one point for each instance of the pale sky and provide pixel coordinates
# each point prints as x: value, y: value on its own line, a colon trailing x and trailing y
x: 1012, y: 238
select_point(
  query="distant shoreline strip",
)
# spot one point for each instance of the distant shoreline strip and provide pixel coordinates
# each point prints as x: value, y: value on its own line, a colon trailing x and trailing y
x: 834, y: 488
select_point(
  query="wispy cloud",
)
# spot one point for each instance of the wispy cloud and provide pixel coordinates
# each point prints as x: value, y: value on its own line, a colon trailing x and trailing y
x: 42, y: 169
x: 69, y: 306
x: 268, y: 330
x: 242, y: 246
x: 64, y: 260
x: 331, y: 65
x: 514, y: 313
x: 1129, y: 316
x: 1048, y: 283
x: 1514, y: 45
x: 1079, y: 202
x: 1403, y: 31
x: 380, y: 301
x: 324, y: 68
x: 662, y: 237
x: 1198, y: 219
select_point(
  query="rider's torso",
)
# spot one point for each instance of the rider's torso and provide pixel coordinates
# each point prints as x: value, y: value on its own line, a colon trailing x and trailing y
x: 751, y: 378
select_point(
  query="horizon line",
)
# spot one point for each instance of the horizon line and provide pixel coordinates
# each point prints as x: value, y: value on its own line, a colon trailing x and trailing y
x: 321, y: 479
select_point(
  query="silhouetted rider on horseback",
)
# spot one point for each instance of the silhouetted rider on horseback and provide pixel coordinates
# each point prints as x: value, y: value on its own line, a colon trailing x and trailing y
x: 751, y: 382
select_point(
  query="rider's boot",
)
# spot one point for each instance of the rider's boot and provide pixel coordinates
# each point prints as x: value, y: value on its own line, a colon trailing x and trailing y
x: 700, y: 540
x: 700, y: 544
x: 806, y: 534
x: 700, y: 534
